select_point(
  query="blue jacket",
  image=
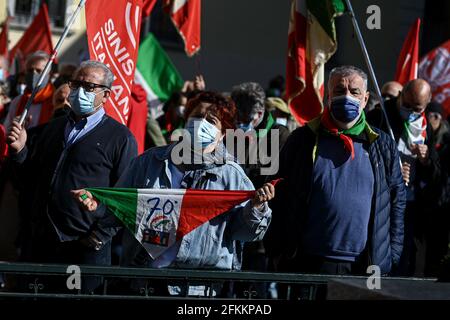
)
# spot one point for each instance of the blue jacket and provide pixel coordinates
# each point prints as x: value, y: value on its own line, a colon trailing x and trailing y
x: 290, y: 206
x: 216, y: 244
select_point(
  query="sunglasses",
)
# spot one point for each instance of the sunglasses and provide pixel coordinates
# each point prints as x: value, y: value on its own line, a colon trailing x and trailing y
x: 87, y: 86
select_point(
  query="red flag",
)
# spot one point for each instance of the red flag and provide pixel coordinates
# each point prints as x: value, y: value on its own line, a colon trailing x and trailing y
x: 4, y: 39
x: 407, y: 63
x: 137, y: 122
x: 38, y: 36
x: 185, y: 15
x: 113, y: 38
x: 148, y: 7
x: 435, y: 68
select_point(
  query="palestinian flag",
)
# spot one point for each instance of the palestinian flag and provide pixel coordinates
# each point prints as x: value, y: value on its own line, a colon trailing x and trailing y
x: 311, y: 43
x: 156, y: 73
x: 160, y: 217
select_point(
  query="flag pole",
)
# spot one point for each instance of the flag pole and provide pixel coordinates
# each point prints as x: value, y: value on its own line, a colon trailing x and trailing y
x: 369, y: 64
x: 50, y: 61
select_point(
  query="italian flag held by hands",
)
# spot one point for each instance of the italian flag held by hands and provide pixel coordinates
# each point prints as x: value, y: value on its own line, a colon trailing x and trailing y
x: 160, y: 217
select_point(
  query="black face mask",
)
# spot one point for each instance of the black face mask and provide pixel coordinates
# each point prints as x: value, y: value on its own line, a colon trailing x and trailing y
x: 31, y: 80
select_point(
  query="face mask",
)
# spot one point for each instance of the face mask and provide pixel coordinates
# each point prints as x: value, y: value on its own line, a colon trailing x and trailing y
x: 21, y: 88
x: 31, y: 80
x: 201, y: 131
x: 409, y: 115
x: 180, y: 111
x: 282, y: 121
x: 1, y: 74
x: 245, y: 126
x: 345, y: 108
x: 82, y: 102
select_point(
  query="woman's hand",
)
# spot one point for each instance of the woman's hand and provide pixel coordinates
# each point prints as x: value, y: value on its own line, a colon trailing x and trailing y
x: 262, y: 195
x: 85, y: 199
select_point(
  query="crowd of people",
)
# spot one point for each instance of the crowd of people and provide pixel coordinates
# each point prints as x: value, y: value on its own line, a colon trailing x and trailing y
x: 350, y: 196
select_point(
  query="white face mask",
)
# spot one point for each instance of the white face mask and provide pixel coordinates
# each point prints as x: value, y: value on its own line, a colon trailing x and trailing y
x: 180, y: 110
x: 202, y: 132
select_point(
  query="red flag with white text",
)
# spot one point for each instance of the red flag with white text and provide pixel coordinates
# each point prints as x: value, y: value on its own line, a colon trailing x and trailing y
x: 407, y: 63
x: 186, y: 16
x: 113, y: 38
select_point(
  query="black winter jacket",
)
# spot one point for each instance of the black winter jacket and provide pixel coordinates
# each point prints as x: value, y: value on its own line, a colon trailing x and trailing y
x: 290, y: 206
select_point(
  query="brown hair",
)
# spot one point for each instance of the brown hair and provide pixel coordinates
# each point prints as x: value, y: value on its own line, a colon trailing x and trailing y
x: 221, y: 107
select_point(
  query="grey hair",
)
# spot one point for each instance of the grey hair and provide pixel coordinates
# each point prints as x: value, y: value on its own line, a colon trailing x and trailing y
x: 37, y: 55
x: 108, y: 78
x: 249, y: 97
x: 345, y: 71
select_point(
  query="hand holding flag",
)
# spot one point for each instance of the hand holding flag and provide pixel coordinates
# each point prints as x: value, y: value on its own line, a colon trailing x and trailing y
x: 160, y: 217
x: 86, y: 199
x: 89, y: 203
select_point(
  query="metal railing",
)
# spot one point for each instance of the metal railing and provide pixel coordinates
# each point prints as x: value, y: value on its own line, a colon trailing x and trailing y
x: 33, y: 281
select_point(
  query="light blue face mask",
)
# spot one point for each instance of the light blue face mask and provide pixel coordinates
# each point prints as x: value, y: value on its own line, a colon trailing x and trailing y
x: 202, y: 132
x: 246, y: 126
x: 82, y: 102
x: 1, y: 74
x: 409, y: 115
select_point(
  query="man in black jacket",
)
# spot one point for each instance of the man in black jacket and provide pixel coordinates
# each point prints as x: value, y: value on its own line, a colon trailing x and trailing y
x: 85, y: 149
x: 340, y: 206
x: 420, y: 161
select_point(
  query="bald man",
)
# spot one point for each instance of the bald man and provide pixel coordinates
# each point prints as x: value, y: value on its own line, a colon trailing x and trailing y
x: 420, y: 164
x: 391, y: 89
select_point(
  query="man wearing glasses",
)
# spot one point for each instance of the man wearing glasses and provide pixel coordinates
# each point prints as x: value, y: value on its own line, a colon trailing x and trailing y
x: 85, y: 149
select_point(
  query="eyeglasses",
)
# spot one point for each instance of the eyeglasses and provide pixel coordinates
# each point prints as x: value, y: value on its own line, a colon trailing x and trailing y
x: 87, y: 86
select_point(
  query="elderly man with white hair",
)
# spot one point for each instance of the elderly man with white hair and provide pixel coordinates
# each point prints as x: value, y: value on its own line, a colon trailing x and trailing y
x: 87, y: 148
x: 340, y: 207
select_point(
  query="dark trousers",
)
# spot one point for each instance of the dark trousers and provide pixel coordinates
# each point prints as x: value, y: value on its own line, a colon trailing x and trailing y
x: 48, y: 249
x: 407, y: 264
x: 311, y: 264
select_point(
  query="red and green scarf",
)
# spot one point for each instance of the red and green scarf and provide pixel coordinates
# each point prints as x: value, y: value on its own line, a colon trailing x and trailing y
x: 329, y: 126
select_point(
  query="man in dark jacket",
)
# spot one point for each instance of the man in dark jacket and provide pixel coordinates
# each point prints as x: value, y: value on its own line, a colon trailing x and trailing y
x: 85, y: 149
x: 340, y: 206
x: 420, y: 161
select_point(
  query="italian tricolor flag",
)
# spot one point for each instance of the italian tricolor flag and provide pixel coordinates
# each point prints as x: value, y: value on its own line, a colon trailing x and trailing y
x: 160, y: 217
x: 156, y: 73
x: 311, y: 42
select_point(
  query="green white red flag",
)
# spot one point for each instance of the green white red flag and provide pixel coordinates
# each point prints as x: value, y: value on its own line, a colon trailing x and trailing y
x: 311, y: 43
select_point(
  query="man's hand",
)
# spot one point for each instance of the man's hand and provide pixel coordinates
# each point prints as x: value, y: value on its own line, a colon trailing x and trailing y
x: 421, y: 150
x: 406, y: 172
x: 262, y: 195
x: 85, y: 199
x: 17, y: 136
x: 91, y: 241
x: 199, y: 83
x: 188, y: 86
